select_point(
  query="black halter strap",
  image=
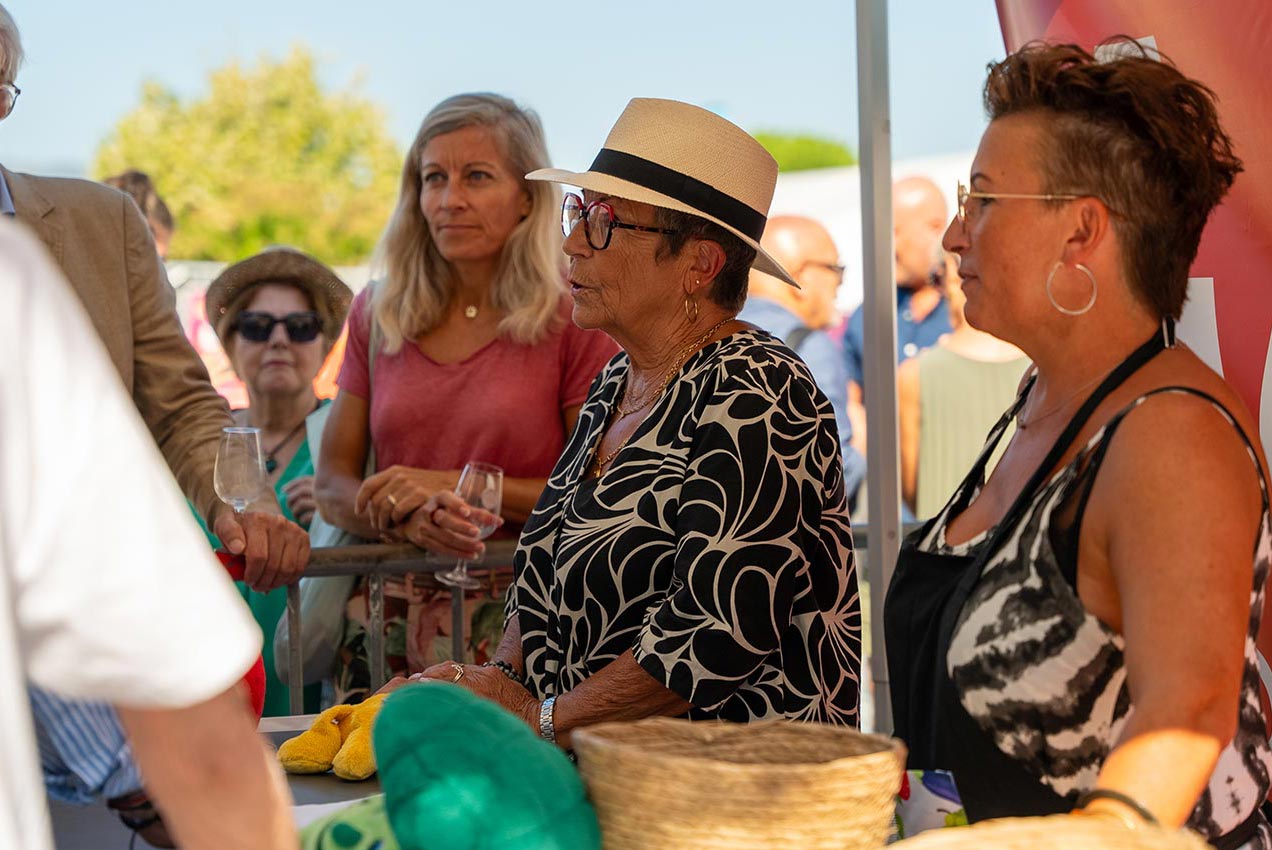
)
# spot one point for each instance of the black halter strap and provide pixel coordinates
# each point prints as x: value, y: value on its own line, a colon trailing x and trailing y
x: 1137, y: 358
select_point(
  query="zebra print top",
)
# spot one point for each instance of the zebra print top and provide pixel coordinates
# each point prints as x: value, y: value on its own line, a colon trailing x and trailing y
x: 1046, y: 680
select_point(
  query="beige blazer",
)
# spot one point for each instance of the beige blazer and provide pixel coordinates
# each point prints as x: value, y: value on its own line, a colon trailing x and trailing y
x: 100, y: 240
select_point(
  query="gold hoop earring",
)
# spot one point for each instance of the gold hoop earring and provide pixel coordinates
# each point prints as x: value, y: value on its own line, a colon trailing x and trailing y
x: 1085, y: 308
x: 691, y: 309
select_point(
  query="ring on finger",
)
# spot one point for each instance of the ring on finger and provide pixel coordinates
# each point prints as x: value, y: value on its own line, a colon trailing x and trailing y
x: 459, y: 672
x: 392, y: 500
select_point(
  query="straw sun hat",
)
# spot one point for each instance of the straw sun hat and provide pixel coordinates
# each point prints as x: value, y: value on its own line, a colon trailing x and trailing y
x: 279, y: 265
x: 685, y: 158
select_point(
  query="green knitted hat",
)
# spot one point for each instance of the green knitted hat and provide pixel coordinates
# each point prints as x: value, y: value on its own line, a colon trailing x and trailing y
x: 461, y: 773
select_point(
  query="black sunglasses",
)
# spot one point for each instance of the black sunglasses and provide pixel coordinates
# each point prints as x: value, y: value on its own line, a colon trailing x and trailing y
x: 255, y: 326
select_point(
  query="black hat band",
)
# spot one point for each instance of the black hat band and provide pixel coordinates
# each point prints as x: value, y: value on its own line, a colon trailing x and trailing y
x: 683, y: 188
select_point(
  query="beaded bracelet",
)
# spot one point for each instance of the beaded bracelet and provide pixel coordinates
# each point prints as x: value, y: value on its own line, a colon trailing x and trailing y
x: 507, y: 669
x: 1131, y: 803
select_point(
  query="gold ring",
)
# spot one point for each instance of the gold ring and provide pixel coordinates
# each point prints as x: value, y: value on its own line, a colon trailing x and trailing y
x: 459, y: 673
x: 392, y: 501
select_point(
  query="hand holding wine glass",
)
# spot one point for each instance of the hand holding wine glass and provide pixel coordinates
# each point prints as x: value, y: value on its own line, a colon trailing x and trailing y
x: 481, y: 489
x: 275, y: 551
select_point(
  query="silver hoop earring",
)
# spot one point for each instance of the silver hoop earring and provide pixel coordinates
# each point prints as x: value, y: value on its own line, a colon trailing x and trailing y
x: 691, y: 309
x: 1084, y: 309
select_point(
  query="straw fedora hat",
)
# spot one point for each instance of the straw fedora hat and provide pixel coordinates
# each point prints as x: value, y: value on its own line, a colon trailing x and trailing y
x: 685, y: 158
x: 279, y: 265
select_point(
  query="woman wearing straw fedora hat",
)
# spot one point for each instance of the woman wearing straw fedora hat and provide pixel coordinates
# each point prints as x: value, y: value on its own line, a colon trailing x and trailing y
x: 691, y: 553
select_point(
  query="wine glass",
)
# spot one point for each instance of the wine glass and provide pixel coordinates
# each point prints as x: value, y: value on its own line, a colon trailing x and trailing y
x: 239, y: 476
x: 481, y: 486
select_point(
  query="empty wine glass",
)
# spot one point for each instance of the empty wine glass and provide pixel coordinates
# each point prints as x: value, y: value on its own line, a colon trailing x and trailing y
x: 481, y: 486
x: 239, y: 476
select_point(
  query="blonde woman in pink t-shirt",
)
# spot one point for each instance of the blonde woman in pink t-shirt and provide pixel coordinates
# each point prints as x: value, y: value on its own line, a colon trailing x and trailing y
x: 476, y: 360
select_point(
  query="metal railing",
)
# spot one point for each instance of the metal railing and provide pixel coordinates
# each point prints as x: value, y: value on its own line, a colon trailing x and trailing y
x: 378, y: 561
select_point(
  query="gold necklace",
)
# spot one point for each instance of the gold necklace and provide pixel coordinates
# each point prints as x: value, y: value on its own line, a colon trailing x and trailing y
x: 678, y: 362
x: 1054, y: 409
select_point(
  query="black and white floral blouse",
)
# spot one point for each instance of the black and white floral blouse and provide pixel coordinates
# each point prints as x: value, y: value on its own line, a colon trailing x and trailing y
x: 716, y: 547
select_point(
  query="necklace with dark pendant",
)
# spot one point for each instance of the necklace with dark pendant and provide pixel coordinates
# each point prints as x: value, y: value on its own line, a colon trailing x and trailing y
x: 271, y: 463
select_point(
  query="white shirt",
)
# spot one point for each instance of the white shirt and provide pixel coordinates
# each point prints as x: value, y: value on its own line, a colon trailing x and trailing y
x: 107, y: 588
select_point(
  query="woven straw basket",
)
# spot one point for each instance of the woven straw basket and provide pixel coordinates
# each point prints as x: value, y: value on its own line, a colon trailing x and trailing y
x: 1057, y: 832
x: 778, y: 785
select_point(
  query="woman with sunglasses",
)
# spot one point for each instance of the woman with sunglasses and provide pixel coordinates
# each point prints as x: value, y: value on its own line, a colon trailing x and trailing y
x: 692, y: 553
x: 277, y: 315
x: 1076, y: 630
x: 475, y: 359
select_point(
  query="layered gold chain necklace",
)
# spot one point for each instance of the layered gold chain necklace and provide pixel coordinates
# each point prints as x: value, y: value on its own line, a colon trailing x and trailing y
x: 677, y: 363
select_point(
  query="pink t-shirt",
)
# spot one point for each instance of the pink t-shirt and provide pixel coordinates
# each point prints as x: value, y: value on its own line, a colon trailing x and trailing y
x: 503, y: 405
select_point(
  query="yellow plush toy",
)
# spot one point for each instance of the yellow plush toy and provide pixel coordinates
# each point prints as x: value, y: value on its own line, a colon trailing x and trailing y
x: 339, y: 740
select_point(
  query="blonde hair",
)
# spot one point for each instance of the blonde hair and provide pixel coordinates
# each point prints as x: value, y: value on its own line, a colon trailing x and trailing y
x: 10, y: 47
x: 416, y: 285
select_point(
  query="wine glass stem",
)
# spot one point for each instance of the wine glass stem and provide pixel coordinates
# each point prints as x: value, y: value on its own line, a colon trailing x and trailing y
x: 461, y: 568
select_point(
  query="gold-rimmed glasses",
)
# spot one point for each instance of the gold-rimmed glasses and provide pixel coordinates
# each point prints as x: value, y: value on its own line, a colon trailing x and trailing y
x: 964, y: 193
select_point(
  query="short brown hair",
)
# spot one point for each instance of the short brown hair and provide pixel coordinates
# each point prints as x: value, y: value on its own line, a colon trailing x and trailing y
x: 1134, y: 132
x: 138, y: 186
x: 730, y: 286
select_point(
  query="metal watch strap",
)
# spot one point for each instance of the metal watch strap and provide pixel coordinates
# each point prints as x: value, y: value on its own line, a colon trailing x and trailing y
x: 547, y: 729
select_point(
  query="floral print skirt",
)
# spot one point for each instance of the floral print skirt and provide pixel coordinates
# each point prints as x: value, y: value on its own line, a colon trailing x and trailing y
x: 417, y: 629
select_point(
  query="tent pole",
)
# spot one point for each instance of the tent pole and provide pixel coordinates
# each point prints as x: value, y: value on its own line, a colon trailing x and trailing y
x: 882, y: 458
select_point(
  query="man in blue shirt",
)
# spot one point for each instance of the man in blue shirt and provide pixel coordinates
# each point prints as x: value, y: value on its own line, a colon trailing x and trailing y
x: 919, y: 217
x: 799, y: 317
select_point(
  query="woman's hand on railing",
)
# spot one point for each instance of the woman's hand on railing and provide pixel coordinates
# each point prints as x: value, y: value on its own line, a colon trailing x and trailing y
x: 390, y: 497
x: 299, y: 494
x: 447, y: 525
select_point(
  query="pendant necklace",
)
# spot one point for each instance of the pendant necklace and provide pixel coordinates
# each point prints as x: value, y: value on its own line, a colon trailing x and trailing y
x: 271, y: 463
x: 470, y: 312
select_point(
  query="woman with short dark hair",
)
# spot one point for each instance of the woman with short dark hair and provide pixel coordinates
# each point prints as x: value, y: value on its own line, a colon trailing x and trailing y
x: 1079, y: 629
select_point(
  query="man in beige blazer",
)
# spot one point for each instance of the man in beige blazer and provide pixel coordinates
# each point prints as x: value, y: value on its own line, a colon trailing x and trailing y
x: 103, y: 246
x: 101, y: 242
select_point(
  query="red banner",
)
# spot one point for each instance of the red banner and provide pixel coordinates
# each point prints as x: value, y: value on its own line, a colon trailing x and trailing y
x: 1228, y: 46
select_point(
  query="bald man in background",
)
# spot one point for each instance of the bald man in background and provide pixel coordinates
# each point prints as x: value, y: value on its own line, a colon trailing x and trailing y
x: 919, y: 218
x: 800, y: 317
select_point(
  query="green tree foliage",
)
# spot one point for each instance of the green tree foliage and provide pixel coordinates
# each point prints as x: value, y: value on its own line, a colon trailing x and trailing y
x: 795, y: 152
x: 265, y: 157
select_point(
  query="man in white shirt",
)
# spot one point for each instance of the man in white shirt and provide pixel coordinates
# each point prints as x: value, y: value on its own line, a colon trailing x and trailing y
x: 95, y: 544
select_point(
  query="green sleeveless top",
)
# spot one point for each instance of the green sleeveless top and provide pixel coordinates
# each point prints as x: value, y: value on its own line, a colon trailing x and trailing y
x: 960, y: 400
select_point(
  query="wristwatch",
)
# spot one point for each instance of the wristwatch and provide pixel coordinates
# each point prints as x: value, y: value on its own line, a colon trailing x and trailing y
x: 547, y: 729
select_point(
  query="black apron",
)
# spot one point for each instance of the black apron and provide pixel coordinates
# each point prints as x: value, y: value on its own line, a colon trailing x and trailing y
x: 923, y: 603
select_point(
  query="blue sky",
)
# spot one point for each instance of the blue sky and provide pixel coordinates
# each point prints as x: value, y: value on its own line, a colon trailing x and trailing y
x: 765, y: 65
